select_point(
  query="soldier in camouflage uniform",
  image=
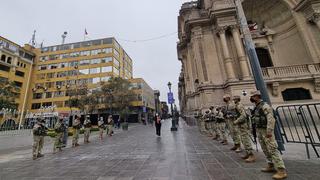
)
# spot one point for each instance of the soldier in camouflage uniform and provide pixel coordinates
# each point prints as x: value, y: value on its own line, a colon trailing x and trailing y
x: 59, y: 128
x: 202, y: 124
x: 208, y: 123
x: 243, y: 123
x: 221, y: 126
x: 229, y: 115
x: 76, y: 131
x: 265, y: 122
x: 39, y: 131
x: 213, y: 123
x: 87, y: 128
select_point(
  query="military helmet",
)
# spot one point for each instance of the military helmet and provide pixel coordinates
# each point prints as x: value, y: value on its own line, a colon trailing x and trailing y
x: 226, y: 96
x: 255, y: 93
x: 236, y: 97
x: 207, y: 111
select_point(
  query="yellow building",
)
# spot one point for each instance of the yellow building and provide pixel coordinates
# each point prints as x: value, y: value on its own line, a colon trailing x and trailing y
x: 65, y: 66
x: 16, y: 66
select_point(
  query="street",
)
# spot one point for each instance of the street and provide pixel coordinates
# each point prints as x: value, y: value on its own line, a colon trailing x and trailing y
x: 139, y: 154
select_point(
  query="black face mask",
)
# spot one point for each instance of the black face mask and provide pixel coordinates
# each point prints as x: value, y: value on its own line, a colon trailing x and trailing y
x: 252, y: 100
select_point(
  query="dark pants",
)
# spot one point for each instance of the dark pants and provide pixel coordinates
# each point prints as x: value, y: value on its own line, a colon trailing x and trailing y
x: 158, y: 129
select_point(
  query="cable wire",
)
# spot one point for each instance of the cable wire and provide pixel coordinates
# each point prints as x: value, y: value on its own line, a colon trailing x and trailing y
x: 150, y: 39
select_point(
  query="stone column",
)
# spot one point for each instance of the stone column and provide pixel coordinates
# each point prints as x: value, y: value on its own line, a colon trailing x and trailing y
x: 226, y: 54
x: 241, y: 53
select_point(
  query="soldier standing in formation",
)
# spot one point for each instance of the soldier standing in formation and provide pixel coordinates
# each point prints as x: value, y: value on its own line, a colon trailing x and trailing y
x: 213, y: 125
x: 39, y: 132
x: 243, y: 124
x: 208, y: 128
x: 76, y: 131
x: 221, y: 126
x: 87, y: 128
x: 109, y: 125
x: 59, y: 128
x: 101, y: 126
x: 265, y: 122
x: 230, y: 115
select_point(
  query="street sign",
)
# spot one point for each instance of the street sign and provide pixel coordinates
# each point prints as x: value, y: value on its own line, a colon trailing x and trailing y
x: 170, y: 98
x: 144, y: 109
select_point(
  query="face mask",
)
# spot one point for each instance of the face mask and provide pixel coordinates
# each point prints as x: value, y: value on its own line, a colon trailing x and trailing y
x: 252, y: 100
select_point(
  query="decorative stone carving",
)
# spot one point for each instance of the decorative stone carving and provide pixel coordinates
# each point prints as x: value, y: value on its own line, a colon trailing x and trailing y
x: 317, y: 85
x: 275, y: 88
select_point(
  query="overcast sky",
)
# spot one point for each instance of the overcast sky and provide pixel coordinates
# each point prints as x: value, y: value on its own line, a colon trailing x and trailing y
x: 155, y: 61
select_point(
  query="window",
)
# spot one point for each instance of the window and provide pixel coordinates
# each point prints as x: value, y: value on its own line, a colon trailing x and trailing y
x: 85, y: 53
x: 106, y: 60
x: 61, y: 74
x: 60, y: 83
x: 37, y: 95
x: 116, y: 71
x: 53, y: 66
x: 36, y: 106
x: 48, y: 94
x: 95, y: 80
x: 95, y: 52
x: 19, y: 73
x: 95, y: 61
x: 63, y: 65
x: 50, y: 75
x: 116, y: 62
x: 116, y: 53
x: 73, y: 64
x: 294, y: 94
x: 58, y: 94
x: 3, y: 58
x: 43, y: 67
x: 84, y: 71
x: 46, y: 104
x: 264, y: 57
x: 84, y: 62
x: 4, y: 68
x: 49, y: 84
x: 75, y: 54
x: 94, y: 70
x: 116, y: 44
x: 106, y: 69
x: 58, y: 103
x: 107, y: 50
x: 105, y: 78
x: 9, y: 60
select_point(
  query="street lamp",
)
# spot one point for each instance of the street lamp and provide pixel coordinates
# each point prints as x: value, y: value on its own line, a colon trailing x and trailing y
x: 170, y: 99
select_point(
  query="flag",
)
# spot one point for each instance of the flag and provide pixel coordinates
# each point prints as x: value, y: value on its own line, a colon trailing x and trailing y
x: 85, y: 32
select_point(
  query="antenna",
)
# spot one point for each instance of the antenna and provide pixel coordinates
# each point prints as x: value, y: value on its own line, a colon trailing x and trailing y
x: 64, y: 35
x: 33, y: 39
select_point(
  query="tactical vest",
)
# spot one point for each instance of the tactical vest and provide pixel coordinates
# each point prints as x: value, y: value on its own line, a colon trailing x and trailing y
x: 40, y: 131
x: 259, y: 117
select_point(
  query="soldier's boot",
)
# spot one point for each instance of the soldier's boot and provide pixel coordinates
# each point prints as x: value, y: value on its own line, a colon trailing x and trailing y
x: 40, y: 155
x: 245, y: 156
x: 281, y: 174
x: 269, y: 168
x: 238, y: 150
x: 225, y: 142
x: 215, y: 137
x: 34, y: 157
x: 251, y: 159
x: 234, y: 148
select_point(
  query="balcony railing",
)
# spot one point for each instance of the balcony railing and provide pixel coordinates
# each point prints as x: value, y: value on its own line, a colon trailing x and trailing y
x: 291, y: 71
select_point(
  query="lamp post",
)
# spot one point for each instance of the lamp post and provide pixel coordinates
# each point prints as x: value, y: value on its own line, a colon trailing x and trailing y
x: 170, y: 99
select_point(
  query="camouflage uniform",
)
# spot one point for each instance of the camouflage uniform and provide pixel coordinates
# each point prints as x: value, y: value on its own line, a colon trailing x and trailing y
x: 234, y: 130
x: 76, y: 131
x: 213, y: 124
x: 87, y: 128
x: 59, y: 129
x: 109, y: 126
x: 221, y: 126
x: 39, y: 131
x: 208, y: 123
x: 202, y: 124
x: 265, y: 122
x: 243, y: 123
x: 101, y: 127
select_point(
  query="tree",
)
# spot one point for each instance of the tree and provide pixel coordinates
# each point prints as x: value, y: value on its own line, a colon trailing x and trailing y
x: 78, y: 97
x: 117, y: 94
x: 8, y: 93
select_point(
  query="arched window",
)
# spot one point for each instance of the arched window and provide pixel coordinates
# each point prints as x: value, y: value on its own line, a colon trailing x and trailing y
x: 3, y: 58
x: 9, y: 60
x: 294, y: 94
x: 264, y: 57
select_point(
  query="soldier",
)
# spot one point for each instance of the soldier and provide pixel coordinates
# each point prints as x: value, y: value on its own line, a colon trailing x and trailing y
x: 242, y: 121
x: 221, y: 124
x: 208, y: 127
x: 109, y: 125
x: 229, y: 115
x: 59, y: 129
x: 43, y: 134
x: 39, y: 131
x: 265, y: 122
x: 101, y: 127
x: 76, y: 131
x: 87, y: 128
x: 202, y: 123
x: 213, y: 124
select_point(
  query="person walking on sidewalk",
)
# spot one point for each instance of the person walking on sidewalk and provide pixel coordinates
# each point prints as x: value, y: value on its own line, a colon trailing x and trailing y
x: 157, y: 121
x: 87, y: 128
x: 265, y: 122
x: 243, y: 123
x: 76, y: 131
x: 39, y: 131
x: 101, y: 126
x: 109, y: 125
x: 59, y: 129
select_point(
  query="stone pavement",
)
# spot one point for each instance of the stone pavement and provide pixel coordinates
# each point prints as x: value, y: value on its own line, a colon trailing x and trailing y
x: 139, y: 155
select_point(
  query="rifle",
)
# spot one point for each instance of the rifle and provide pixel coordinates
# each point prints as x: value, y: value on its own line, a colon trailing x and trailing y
x: 254, y: 134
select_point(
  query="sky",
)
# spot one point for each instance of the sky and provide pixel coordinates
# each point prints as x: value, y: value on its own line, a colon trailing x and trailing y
x: 155, y: 61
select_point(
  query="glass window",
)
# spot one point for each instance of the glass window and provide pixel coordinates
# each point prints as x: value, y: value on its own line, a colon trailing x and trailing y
x: 58, y: 94
x: 106, y: 78
x: 60, y: 83
x: 106, y: 60
x: 85, y: 53
x: 50, y: 75
x: 84, y: 62
x: 63, y: 65
x: 37, y: 95
x: 116, y: 53
x: 116, y: 62
x: 73, y: 64
x: 106, y: 69
x: 83, y: 71
x: 36, y: 106
x: 94, y: 70
x: 46, y: 104
x: 75, y: 54
x: 116, y: 71
x: 95, y: 80
x: 48, y: 94
x: 107, y: 50
x: 19, y: 73
x: 95, y: 61
x: 96, y: 51
x: 43, y: 67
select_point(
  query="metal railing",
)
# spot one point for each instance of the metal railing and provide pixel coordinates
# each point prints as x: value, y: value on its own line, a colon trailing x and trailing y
x: 301, y: 124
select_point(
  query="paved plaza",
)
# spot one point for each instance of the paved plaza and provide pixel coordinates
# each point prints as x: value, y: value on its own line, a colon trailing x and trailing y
x: 139, y: 155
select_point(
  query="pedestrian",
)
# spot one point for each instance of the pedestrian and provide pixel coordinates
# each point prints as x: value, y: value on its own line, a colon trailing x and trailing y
x: 59, y: 130
x: 109, y: 125
x: 87, y: 128
x: 265, y: 122
x: 221, y: 126
x: 230, y: 115
x: 101, y: 126
x: 76, y: 131
x: 65, y: 133
x: 119, y: 122
x: 157, y: 121
x: 243, y: 123
x: 39, y: 131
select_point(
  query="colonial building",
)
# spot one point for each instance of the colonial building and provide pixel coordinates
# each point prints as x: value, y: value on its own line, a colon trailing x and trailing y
x: 214, y: 60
